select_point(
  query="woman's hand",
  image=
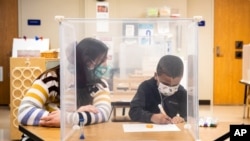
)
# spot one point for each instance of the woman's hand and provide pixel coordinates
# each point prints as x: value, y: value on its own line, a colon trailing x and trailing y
x: 160, y: 119
x: 88, y: 108
x: 52, y: 120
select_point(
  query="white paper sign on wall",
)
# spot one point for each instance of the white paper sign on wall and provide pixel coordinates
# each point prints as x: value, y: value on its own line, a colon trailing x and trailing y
x: 30, y: 45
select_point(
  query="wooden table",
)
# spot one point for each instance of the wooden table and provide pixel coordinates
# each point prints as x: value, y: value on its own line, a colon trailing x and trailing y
x: 246, y: 93
x: 109, y: 131
x: 113, y: 131
x: 41, y: 133
x: 213, y: 133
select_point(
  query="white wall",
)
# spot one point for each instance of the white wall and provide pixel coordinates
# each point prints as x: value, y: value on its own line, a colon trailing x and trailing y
x: 204, y: 8
x: 46, y: 10
x: 134, y: 8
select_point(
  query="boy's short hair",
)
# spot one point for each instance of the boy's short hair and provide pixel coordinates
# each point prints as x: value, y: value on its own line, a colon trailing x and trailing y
x: 171, y: 66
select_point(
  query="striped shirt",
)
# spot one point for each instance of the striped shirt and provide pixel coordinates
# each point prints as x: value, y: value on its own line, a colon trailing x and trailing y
x: 43, y: 97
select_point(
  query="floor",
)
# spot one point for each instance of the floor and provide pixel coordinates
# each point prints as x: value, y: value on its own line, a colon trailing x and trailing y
x: 232, y: 114
x: 4, y: 123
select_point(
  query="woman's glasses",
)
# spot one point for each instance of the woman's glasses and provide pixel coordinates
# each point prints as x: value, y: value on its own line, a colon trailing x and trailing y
x: 92, y: 62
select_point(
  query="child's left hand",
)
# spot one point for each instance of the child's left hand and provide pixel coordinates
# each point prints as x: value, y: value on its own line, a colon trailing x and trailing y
x: 177, y: 119
x: 52, y: 120
x: 88, y: 108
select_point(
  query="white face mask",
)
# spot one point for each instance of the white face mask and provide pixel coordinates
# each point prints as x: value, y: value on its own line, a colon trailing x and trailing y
x: 167, y: 90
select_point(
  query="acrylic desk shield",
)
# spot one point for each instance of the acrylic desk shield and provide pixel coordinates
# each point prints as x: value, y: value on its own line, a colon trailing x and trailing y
x: 246, y: 64
x: 135, y: 47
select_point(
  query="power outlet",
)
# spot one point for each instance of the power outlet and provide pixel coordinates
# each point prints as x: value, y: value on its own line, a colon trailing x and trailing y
x: 238, y: 44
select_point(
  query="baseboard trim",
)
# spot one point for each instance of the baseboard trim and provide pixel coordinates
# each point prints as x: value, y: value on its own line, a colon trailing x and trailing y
x: 4, y: 104
x: 204, y: 102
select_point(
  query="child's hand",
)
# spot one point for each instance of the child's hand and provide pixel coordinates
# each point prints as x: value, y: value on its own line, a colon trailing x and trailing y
x: 88, y: 108
x: 52, y: 120
x: 161, y: 119
x: 177, y: 119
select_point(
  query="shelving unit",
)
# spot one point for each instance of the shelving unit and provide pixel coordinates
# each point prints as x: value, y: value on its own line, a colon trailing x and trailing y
x: 23, y: 71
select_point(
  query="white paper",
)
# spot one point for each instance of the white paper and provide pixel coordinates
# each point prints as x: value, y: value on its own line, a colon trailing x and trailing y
x: 102, y: 26
x: 29, y: 44
x: 102, y: 12
x: 163, y: 28
x: 145, y: 33
x: 130, y: 30
x: 144, y: 128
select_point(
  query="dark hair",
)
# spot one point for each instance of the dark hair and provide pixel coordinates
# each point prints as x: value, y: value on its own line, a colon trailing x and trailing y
x: 90, y: 48
x: 170, y: 65
x: 48, y: 78
x: 56, y: 69
x: 86, y: 49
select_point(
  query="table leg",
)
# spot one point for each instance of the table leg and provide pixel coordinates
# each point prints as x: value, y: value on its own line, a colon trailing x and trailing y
x: 112, y: 109
x: 245, y: 97
x: 114, y: 113
x: 123, y: 111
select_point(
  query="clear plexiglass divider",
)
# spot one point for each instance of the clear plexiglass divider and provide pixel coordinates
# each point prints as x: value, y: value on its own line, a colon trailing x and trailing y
x: 135, y: 47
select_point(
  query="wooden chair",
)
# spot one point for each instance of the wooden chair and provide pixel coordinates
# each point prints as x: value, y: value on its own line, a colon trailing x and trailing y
x: 124, y: 90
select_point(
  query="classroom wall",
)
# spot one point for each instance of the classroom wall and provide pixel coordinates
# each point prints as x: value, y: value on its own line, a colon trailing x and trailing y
x: 134, y: 8
x: 46, y: 10
x: 204, y: 8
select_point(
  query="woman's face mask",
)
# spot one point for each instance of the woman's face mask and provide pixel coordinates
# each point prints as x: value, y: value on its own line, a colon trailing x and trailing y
x: 167, y: 90
x: 102, y: 71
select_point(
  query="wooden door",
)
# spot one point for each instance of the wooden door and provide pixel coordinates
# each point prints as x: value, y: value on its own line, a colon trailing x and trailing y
x: 231, y: 24
x: 8, y: 31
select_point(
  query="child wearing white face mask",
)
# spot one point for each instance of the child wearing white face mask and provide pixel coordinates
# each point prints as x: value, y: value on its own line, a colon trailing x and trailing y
x: 164, y: 89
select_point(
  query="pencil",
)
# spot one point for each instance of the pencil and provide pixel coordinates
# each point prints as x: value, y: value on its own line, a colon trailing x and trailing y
x: 164, y: 113
x: 161, y: 109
